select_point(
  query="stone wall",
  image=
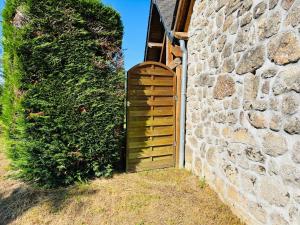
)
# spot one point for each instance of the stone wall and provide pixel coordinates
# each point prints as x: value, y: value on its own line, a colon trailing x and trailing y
x: 243, y: 114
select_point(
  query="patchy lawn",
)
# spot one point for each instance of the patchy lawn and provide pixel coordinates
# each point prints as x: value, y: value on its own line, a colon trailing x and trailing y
x: 158, y: 197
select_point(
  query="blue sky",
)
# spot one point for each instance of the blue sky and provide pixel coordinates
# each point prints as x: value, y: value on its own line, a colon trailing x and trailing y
x: 135, y: 15
x: 135, y: 18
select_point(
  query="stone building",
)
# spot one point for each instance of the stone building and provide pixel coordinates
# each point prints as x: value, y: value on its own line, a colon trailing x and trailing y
x: 243, y: 99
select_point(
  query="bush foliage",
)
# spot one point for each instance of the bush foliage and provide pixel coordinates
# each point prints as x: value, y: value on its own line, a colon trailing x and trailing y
x: 63, y: 92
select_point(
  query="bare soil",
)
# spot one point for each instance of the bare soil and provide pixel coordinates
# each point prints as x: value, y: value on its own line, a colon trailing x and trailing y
x: 168, y: 197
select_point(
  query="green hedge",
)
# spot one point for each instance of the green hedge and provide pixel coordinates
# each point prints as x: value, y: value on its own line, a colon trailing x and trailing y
x: 63, y: 99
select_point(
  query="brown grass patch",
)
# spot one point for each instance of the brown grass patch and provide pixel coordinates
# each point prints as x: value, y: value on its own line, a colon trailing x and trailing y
x: 158, y: 197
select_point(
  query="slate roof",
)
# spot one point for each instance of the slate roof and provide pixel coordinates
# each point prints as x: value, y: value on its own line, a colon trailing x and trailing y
x: 166, y: 10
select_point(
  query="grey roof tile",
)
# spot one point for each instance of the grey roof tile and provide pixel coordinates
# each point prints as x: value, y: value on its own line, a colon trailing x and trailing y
x: 166, y: 9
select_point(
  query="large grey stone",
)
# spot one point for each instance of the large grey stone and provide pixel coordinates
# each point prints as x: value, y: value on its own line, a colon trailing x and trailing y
x: 235, y: 104
x: 211, y: 156
x: 203, y: 80
x: 221, y: 4
x: 232, y: 6
x: 273, y: 3
x: 244, y: 38
x: 199, y: 132
x: 293, y: 18
x: 273, y: 192
x: 296, y: 152
x: 268, y: 27
x: 225, y: 87
x: 242, y: 135
x: 292, y: 125
x: 251, y: 60
x: 220, y: 117
x: 219, y: 19
x: 221, y: 42
x: 290, y: 103
x: 227, y: 23
x: 274, y: 104
x: 254, y: 154
x: 257, y: 211
x: 231, y: 173
x: 247, y: 182
x: 284, y: 48
x: 257, y: 120
x: 273, y: 168
x: 227, y: 51
x: 228, y: 65
x: 260, y: 105
x: 277, y: 219
x: 258, y: 169
x: 232, y: 118
x: 251, y: 85
x: 268, y: 73
x: 290, y: 175
x: 287, y: 80
x: 265, y: 89
x: 275, y: 122
x: 246, y: 19
x: 213, y: 62
x: 259, y: 9
x: 246, y: 5
x: 286, y: 4
x: 274, y: 144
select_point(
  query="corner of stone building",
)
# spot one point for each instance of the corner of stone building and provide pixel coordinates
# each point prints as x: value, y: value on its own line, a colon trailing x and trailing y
x: 243, y: 105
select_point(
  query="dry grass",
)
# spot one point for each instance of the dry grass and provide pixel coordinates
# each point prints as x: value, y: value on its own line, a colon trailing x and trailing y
x: 157, y: 197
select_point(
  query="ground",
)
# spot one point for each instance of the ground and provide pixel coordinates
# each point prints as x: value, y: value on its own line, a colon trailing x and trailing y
x: 168, y: 196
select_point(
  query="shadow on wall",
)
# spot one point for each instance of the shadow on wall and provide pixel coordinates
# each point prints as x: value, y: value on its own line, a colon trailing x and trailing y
x: 24, y: 198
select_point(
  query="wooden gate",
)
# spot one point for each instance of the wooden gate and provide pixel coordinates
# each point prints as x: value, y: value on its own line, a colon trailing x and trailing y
x: 151, y: 119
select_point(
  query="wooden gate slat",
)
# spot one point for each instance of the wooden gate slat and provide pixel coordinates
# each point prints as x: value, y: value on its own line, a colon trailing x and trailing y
x: 150, y: 93
x: 151, y: 103
x: 151, y: 111
x: 169, y: 141
x: 147, y: 123
x: 148, y: 132
x: 150, y: 153
x: 147, y: 82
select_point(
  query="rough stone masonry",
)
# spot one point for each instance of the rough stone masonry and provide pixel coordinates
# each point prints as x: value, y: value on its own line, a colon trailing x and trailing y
x: 243, y: 113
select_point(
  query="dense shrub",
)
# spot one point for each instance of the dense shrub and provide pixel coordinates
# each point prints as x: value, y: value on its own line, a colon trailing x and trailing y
x: 63, y: 92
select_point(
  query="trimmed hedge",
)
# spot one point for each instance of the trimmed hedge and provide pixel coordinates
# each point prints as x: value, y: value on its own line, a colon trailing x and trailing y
x: 63, y: 99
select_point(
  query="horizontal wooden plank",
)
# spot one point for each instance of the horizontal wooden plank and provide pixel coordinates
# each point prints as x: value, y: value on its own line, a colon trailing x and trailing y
x: 151, y: 132
x: 151, y: 122
x: 151, y: 103
x: 149, y: 153
x: 151, y: 113
x: 155, y: 45
x: 152, y: 72
x: 182, y: 35
x: 147, y: 82
x: 167, y: 141
x: 150, y: 93
x: 150, y: 165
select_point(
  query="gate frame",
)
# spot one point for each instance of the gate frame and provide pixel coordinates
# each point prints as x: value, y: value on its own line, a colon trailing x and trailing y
x: 177, y: 88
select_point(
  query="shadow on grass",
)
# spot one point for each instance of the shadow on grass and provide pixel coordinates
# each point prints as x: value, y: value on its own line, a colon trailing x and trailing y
x: 24, y: 198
